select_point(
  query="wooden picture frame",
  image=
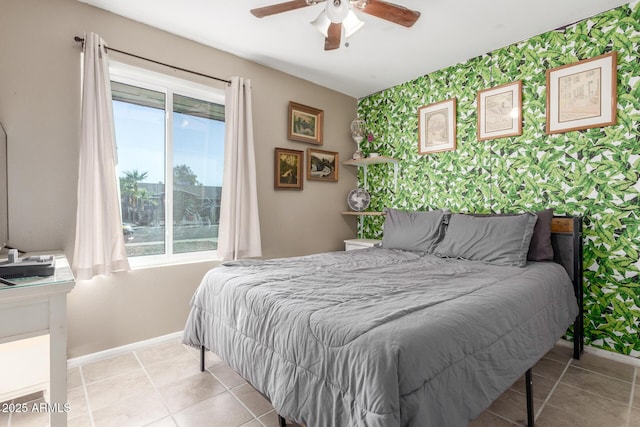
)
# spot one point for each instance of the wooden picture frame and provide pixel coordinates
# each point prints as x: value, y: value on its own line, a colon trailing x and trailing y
x: 322, y: 165
x: 288, y: 169
x: 582, y: 95
x: 500, y: 111
x: 437, y: 127
x: 305, y: 124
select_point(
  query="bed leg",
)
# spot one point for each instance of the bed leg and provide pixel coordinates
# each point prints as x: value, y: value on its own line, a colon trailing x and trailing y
x: 529, y: 387
x: 201, y: 358
x: 281, y: 421
x: 578, y: 336
x: 576, y: 343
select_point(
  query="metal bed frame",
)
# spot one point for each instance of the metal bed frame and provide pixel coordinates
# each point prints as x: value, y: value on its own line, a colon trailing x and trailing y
x: 566, y: 239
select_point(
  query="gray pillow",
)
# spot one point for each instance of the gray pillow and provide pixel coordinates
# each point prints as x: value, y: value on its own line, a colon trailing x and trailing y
x: 500, y: 240
x: 412, y: 231
x: 540, y: 248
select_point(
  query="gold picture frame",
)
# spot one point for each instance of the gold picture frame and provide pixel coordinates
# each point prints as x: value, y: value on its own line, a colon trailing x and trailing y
x: 500, y: 111
x: 582, y: 95
x: 322, y: 165
x: 288, y: 169
x: 305, y: 123
x: 437, y: 127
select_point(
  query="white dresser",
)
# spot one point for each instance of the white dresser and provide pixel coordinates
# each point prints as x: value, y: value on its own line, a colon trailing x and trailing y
x: 36, y: 307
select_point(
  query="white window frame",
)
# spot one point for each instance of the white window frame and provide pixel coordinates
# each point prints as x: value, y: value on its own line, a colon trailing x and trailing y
x: 168, y: 85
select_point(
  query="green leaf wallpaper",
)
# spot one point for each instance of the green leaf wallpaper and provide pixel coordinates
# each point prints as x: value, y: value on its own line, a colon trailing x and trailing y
x: 594, y: 173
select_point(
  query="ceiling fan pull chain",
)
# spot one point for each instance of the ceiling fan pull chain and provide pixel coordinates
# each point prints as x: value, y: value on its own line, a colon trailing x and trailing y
x: 344, y: 37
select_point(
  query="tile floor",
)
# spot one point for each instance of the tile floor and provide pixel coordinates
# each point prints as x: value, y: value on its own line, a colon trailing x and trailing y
x: 161, y: 385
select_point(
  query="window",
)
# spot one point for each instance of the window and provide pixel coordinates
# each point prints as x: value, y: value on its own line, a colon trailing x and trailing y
x: 170, y: 139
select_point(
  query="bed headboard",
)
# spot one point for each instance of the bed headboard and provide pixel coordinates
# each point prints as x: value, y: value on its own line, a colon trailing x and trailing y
x: 566, y: 239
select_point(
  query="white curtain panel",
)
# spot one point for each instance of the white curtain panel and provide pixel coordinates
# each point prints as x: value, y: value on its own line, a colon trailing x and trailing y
x: 99, y: 245
x: 239, y: 233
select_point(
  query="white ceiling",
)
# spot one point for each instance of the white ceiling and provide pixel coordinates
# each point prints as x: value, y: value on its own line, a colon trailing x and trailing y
x: 380, y: 55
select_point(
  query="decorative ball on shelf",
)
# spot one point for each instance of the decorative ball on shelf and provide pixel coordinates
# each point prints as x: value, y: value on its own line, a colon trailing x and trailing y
x: 358, y: 155
x: 358, y: 199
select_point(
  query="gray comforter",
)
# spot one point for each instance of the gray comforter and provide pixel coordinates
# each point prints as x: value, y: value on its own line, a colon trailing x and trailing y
x: 380, y: 337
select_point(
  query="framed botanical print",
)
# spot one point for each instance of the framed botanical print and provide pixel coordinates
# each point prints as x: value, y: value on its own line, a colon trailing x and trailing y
x: 322, y: 165
x: 288, y: 169
x: 500, y: 111
x: 305, y: 124
x: 437, y: 127
x: 582, y: 95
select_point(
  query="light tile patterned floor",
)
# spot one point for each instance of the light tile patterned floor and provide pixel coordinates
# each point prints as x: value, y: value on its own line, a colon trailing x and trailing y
x: 161, y: 385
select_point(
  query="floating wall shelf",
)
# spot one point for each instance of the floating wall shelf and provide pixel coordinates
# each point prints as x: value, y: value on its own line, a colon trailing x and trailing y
x: 366, y: 161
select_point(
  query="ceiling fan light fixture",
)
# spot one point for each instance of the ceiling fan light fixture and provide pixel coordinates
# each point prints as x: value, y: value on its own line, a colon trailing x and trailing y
x: 351, y: 24
x: 322, y: 23
x: 360, y: 4
x: 337, y: 10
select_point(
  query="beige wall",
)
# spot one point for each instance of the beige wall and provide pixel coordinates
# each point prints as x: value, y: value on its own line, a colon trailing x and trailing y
x: 39, y: 108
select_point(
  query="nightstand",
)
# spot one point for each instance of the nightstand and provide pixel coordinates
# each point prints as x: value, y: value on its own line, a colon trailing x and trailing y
x: 352, y: 244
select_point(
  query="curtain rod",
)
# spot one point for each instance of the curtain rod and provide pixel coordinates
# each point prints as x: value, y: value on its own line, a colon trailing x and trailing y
x: 81, y: 40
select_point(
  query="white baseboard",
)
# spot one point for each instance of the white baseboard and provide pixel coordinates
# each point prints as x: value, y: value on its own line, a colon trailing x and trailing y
x: 94, y: 357
x: 622, y: 358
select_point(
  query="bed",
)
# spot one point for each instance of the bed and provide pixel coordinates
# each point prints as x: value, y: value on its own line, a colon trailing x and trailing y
x: 426, y: 330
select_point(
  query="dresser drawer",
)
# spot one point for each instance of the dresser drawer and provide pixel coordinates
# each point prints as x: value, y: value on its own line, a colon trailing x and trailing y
x: 353, y: 244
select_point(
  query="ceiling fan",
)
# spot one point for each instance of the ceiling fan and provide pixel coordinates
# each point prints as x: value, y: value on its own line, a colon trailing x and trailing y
x: 338, y: 16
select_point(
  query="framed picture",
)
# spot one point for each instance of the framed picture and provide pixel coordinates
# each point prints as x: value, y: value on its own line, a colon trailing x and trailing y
x: 582, y: 95
x: 305, y: 124
x: 288, y: 169
x: 500, y: 111
x: 322, y: 165
x: 437, y: 127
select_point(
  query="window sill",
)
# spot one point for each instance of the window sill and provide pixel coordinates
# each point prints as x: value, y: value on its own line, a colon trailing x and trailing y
x: 152, y: 261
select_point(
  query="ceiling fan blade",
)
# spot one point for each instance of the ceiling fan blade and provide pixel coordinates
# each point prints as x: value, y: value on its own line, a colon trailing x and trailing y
x: 332, y: 41
x: 391, y: 12
x: 261, y: 12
